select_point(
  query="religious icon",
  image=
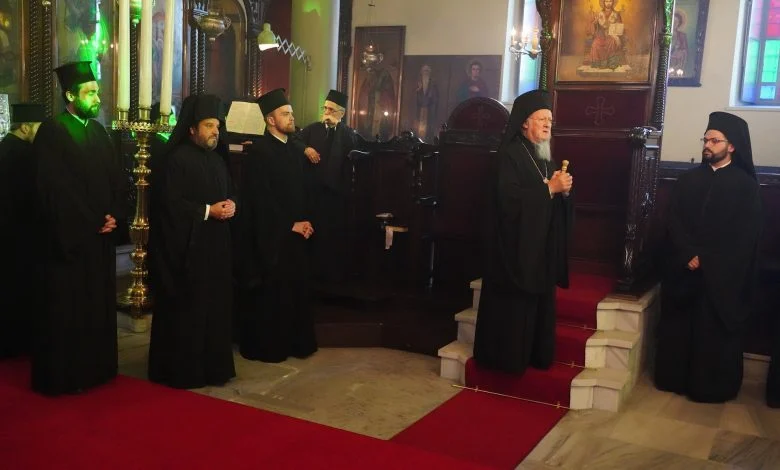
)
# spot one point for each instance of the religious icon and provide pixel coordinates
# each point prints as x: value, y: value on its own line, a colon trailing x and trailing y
x: 606, y: 40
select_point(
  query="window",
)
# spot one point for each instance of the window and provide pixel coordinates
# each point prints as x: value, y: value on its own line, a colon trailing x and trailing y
x: 761, y: 54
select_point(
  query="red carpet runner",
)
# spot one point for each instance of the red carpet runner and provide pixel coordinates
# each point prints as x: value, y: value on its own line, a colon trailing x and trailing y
x: 576, y: 308
x: 134, y: 424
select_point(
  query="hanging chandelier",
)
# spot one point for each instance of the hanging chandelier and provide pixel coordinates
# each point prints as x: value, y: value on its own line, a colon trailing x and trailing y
x: 370, y: 57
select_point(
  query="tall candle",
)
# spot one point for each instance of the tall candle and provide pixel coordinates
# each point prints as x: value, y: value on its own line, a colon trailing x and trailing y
x: 166, y: 87
x: 145, y: 56
x: 123, y: 80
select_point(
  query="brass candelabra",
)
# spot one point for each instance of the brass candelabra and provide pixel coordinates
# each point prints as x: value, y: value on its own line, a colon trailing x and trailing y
x: 137, y: 298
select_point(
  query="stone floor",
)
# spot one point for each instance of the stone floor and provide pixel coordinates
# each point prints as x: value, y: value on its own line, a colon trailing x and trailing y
x: 378, y: 392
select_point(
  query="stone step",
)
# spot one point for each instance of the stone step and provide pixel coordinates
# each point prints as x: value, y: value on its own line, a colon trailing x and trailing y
x: 611, y: 349
x: 604, y: 389
x: 601, y: 389
x: 622, y: 313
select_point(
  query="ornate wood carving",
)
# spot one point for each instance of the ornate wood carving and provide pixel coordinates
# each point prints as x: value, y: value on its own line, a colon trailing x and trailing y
x: 256, y: 14
x: 641, y: 200
x: 39, y: 60
x: 665, y: 45
x: 345, y: 43
x: 544, y: 7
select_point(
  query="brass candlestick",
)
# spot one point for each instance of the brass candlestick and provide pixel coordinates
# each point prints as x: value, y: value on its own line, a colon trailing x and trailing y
x: 137, y: 297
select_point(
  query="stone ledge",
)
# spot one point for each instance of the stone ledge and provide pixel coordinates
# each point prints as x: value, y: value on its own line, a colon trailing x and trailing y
x: 467, y: 316
x: 457, y: 350
x: 607, y: 378
x: 136, y: 325
x: 614, y: 338
x: 476, y: 284
x: 613, y: 302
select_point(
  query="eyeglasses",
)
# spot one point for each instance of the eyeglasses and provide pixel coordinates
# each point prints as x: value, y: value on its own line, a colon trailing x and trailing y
x: 329, y: 110
x: 713, y: 141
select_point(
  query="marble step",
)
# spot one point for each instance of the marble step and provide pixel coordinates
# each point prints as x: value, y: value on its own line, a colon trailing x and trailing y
x: 615, y: 312
x: 611, y: 349
x: 604, y: 389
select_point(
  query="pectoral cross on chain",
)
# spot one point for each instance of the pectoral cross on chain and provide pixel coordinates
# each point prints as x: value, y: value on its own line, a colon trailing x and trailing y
x: 599, y: 111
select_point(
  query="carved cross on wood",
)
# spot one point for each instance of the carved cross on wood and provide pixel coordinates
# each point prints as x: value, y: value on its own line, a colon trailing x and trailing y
x: 481, y: 116
x: 599, y: 111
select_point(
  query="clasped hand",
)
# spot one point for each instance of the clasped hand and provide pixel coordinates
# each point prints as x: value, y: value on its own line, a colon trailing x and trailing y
x: 560, y: 182
x: 222, y: 210
x: 109, y: 225
x: 304, y: 228
x: 312, y: 155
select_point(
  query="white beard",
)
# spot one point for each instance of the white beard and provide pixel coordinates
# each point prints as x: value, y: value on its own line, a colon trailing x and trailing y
x: 543, y: 150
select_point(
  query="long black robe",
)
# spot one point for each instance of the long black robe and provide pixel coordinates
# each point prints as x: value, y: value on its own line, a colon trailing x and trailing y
x: 715, y: 215
x: 79, y: 181
x: 18, y: 279
x: 330, y: 189
x: 276, y: 319
x: 526, y: 257
x: 191, y: 343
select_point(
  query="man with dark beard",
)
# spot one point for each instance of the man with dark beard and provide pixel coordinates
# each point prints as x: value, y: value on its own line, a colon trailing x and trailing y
x: 274, y: 231
x: 82, y: 192
x: 190, y: 253
x: 528, y: 223
x: 713, y: 227
x: 328, y: 144
x: 18, y: 217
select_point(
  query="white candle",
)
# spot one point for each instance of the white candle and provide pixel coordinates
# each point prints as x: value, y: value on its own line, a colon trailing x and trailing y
x: 535, y: 40
x: 123, y: 80
x: 145, y: 57
x: 166, y: 87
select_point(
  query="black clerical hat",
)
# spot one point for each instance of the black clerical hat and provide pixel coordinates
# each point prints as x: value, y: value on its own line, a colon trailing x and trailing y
x: 272, y: 100
x: 524, y: 106
x: 337, y: 97
x: 27, y: 112
x: 75, y: 73
x: 207, y: 107
x: 736, y: 131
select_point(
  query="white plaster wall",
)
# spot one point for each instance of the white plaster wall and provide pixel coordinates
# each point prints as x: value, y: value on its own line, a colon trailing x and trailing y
x: 688, y: 108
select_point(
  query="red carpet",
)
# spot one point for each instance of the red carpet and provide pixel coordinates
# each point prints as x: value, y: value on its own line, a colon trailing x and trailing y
x: 495, y: 431
x: 134, y: 424
x: 576, y: 307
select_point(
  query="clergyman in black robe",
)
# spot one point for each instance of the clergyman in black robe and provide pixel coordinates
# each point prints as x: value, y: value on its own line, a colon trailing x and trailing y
x: 714, y: 223
x: 275, y: 228
x: 190, y: 254
x: 528, y: 224
x: 328, y: 144
x: 18, y: 217
x: 82, y: 192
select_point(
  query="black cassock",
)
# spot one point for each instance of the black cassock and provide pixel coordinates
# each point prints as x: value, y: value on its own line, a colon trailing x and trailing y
x: 715, y: 215
x: 18, y: 280
x: 276, y: 321
x: 526, y: 257
x: 191, y: 264
x: 79, y: 181
x: 330, y: 184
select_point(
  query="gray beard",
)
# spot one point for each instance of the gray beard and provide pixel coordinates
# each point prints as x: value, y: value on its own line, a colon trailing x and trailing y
x: 543, y: 150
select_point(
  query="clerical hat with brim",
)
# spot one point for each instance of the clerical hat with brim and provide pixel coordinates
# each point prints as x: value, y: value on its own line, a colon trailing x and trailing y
x: 75, y: 73
x: 272, y: 100
x: 27, y: 112
x: 337, y: 97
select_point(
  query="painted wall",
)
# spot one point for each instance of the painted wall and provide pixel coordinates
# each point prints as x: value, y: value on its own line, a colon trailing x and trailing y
x: 315, y: 28
x: 688, y: 108
x: 439, y: 27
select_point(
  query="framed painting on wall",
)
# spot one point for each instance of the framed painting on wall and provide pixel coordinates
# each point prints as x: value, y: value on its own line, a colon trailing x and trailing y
x: 434, y: 85
x: 606, y: 41
x: 376, y: 88
x: 688, y: 30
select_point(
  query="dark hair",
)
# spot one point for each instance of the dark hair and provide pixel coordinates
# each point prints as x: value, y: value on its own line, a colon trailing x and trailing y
x: 477, y: 63
x: 75, y: 89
